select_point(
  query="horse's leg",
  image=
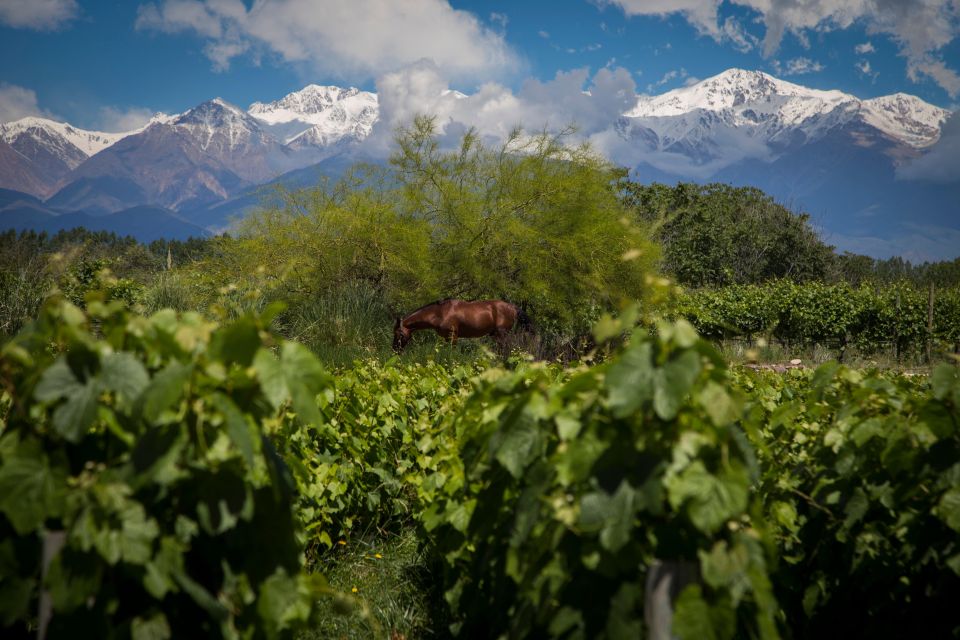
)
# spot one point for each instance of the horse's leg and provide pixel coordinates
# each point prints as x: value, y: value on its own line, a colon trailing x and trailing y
x: 448, y: 332
x: 500, y: 339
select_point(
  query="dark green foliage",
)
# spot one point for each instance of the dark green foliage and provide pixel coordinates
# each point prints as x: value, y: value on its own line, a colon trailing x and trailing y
x: 861, y: 480
x: 717, y: 234
x: 360, y: 466
x: 870, y: 317
x: 568, y: 490
x: 146, y: 449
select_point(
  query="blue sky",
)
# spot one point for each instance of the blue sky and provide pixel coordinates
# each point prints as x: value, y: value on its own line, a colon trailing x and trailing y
x: 108, y: 64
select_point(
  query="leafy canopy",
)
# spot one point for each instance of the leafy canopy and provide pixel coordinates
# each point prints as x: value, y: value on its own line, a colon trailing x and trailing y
x: 532, y: 219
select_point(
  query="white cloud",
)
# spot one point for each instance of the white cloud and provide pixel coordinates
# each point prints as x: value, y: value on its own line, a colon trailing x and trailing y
x: 866, y: 69
x: 920, y: 28
x: 936, y: 69
x: 731, y: 145
x: 42, y: 15
x: 702, y: 14
x: 797, y: 67
x: 361, y: 37
x: 673, y: 74
x: 942, y: 162
x: 115, y: 120
x: 865, y: 48
x: 17, y: 102
x: 544, y: 34
x: 741, y: 40
x: 573, y: 97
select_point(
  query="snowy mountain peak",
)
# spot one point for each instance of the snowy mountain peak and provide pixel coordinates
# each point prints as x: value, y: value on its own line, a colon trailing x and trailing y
x: 741, y: 90
x: 778, y: 111
x: 311, y: 103
x: 220, y: 126
x: 905, y: 117
x: 215, y: 112
x: 313, y: 98
x: 319, y: 116
x: 54, y: 134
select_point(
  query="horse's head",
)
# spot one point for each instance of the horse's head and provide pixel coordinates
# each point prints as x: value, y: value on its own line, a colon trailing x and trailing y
x: 401, y: 336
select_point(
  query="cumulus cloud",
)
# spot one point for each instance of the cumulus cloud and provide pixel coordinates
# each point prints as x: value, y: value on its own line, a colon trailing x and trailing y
x: 42, y: 15
x: 920, y: 28
x: 942, y: 162
x: 573, y: 97
x: 865, y: 48
x: 17, y: 102
x: 702, y: 14
x: 365, y: 37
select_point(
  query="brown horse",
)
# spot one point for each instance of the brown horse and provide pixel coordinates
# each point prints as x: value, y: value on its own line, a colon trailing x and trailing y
x: 454, y: 319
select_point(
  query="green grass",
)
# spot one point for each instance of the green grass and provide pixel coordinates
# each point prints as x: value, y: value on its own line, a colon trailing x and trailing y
x: 392, y: 592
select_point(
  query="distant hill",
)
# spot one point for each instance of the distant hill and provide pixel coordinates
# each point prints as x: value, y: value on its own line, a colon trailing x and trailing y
x: 21, y: 212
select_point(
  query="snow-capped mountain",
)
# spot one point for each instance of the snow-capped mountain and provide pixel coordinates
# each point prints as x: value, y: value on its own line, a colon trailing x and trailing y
x: 58, y: 136
x: 318, y: 117
x: 906, y: 118
x: 827, y: 151
x: 52, y: 149
x: 199, y: 157
x: 700, y: 121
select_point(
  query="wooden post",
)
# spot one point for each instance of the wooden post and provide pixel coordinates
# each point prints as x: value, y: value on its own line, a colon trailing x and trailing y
x: 930, y: 325
x: 896, y: 330
x: 53, y: 542
x: 665, y: 581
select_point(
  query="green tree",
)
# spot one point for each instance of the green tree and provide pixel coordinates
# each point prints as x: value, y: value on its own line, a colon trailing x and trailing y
x: 532, y: 220
x: 718, y: 234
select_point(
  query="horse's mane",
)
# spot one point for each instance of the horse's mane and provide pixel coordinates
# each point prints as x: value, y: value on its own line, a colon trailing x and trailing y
x: 429, y: 304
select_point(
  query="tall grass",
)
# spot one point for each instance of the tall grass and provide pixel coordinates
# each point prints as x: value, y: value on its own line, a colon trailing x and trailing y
x: 168, y: 291
x: 22, y: 291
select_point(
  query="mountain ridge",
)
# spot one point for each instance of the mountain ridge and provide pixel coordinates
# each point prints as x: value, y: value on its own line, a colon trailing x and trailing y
x: 740, y: 125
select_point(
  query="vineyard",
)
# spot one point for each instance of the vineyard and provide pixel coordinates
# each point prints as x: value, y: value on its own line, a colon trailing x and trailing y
x: 902, y: 318
x: 213, y: 438
x: 166, y: 476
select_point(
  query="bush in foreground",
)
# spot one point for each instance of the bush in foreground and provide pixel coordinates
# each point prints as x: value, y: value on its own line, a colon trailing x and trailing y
x: 142, y: 452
